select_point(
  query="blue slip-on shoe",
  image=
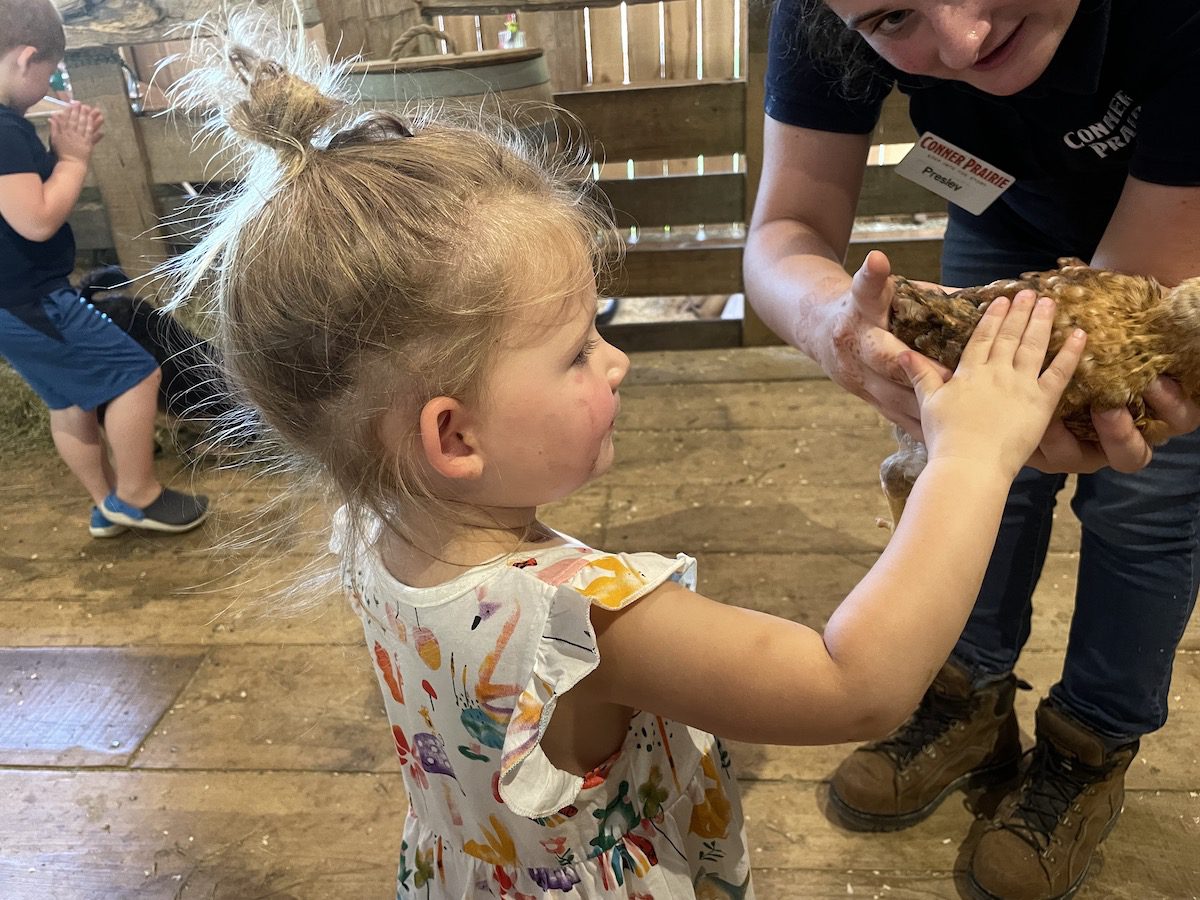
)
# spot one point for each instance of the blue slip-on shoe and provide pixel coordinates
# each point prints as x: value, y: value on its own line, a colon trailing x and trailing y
x: 173, y: 512
x: 101, y: 527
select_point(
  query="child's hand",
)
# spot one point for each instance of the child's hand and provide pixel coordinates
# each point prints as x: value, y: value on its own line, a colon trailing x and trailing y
x: 995, y: 408
x: 75, y: 131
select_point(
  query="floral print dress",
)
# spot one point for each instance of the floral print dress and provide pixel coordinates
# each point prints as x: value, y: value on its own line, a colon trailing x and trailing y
x: 470, y: 672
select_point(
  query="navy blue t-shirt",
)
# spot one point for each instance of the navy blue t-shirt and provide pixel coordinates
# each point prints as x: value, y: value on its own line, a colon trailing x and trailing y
x: 1120, y: 97
x: 29, y: 270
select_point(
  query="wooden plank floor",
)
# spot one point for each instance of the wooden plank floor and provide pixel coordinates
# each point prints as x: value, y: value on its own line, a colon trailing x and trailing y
x: 163, y: 735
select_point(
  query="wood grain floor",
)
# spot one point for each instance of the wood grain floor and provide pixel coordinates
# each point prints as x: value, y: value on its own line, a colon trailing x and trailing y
x: 164, y: 733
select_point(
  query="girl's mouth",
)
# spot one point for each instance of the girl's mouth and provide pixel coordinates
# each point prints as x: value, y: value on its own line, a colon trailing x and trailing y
x: 1002, y: 53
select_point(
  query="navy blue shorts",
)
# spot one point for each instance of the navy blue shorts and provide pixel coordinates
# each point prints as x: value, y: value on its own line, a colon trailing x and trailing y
x: 70, y: 353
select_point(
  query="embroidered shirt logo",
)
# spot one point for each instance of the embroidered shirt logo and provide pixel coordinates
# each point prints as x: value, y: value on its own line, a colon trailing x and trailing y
x: 1114, y: 132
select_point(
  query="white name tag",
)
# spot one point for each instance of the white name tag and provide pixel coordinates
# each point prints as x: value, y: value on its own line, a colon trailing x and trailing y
x: 953, y: 173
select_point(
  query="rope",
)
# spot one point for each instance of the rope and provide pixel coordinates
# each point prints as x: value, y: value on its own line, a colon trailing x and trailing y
x: 415, y: 32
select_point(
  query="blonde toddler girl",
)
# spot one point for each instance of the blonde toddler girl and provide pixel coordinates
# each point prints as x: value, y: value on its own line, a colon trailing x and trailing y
x: 410, y: 304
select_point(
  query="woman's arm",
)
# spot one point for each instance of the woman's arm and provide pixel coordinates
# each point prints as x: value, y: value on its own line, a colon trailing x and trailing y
x: 794, y: 272
x: 1155, y: 230
x: 801, y: 227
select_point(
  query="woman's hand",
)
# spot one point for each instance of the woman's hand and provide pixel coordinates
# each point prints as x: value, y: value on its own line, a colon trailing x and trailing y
x: 1120, y: 445
x: 858, y: 352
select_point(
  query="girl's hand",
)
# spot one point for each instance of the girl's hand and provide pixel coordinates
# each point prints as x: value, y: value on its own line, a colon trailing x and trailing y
x: 75, y: 131
x: 996, y: 408
x: 858, y: 352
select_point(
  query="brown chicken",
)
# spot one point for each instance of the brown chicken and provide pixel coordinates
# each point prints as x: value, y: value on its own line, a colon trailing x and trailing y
x: 1137, y: 330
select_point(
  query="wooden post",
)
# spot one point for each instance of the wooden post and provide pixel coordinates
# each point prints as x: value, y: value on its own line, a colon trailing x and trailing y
x: 754, y: 331
x: 119, y: 162
x: 560, y: 34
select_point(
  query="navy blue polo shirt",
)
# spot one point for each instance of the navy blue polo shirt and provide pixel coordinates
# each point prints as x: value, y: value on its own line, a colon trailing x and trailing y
x: 1120, y: 97
x: 29, y: 270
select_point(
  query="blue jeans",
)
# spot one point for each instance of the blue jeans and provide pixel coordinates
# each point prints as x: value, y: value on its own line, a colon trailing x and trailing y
x: 1139, y: 562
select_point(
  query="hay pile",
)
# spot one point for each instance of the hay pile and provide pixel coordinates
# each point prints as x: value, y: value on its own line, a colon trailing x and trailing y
x: 24, y: 423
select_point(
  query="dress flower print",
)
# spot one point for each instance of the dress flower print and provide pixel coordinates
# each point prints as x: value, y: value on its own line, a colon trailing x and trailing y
x: 470, y: 673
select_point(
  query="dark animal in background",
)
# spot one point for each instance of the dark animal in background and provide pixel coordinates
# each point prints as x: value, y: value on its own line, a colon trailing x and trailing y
x: 193, y: 388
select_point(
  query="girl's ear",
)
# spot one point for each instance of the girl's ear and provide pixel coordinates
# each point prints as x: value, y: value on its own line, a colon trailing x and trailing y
x: 449, y: 444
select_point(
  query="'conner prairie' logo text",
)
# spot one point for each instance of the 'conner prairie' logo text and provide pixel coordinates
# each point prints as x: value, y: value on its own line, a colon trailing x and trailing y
x: 1112, y: 133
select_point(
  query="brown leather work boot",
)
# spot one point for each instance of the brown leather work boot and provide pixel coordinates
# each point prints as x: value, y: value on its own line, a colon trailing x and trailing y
x: 958, y: 735
x: 1044, y: 835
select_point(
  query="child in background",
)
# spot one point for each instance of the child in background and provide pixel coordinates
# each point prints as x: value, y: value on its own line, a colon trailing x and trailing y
x: 70, y: 354
x: 411, y: 305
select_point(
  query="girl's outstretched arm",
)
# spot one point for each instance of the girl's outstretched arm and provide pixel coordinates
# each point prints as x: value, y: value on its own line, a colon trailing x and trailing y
x: 755, y: 677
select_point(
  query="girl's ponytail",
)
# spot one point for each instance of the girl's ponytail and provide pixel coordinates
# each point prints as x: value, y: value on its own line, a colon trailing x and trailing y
x: 282, y: 111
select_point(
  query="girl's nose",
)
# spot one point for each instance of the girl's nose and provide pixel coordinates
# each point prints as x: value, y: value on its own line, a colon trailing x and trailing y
x: 618, y: 366
x: 961, y: 34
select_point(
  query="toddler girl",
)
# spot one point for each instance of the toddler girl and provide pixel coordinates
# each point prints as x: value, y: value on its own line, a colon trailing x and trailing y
x: 411, y: 305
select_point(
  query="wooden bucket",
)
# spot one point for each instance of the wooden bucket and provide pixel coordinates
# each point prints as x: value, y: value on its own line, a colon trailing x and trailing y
x: 513, y: 84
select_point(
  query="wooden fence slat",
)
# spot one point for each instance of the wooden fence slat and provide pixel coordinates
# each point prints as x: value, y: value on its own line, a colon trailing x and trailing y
x: 747, y: 19
x: 705, y: 118
x: 676, y: 200
x: 894, y: 125
x: 722, y: 164
x: 679, y: 37
x: 560, y: 35
x: 754, y: 330
x: 647, y: 201
x: 488, y: 7
x: 608, y: 66
x: 717, y: 37
x: 489, y: 31
x: 686, y: 166
x: 462, y: 29
x: 650, y: 168
x: 170, y: 154
x: 146, y: 59
x: 680, y: 334
x: 714, y: 267
x: 886, y: 193
x: 642, y: 27
x: 656, y: 270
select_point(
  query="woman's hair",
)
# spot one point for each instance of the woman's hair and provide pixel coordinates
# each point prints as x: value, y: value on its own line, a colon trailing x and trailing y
x: 32, y: 23
x: 366, y: 261
x: 835, y: 48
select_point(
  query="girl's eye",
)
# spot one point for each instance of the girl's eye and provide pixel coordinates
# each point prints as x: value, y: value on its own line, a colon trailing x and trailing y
x: 585, y: 353
x: 891, y: 23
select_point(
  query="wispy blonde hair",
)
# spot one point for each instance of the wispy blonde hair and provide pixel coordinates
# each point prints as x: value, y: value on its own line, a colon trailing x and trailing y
x: 366, y: 260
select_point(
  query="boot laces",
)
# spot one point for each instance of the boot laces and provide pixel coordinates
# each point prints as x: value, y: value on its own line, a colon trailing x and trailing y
x: 1050, y: 787
x: 933, y: 718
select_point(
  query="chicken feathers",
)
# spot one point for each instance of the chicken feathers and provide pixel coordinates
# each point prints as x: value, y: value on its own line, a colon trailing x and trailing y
x: 1137, y: 330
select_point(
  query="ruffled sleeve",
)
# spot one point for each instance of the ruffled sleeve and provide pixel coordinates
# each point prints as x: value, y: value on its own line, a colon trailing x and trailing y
x: 530, y: 785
